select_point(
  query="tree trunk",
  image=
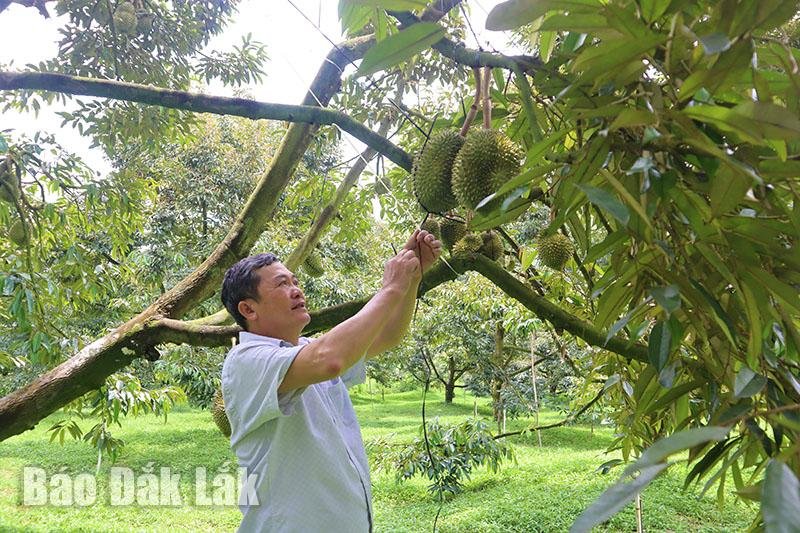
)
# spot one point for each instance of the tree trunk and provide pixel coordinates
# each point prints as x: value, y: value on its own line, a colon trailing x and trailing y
x: 496, y: 385
x: 450, y: 385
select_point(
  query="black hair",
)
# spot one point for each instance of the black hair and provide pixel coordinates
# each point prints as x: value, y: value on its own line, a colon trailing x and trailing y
x: 241, y: 282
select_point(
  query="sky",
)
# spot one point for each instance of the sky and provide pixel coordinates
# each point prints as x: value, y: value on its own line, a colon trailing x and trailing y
x: 295, y: 48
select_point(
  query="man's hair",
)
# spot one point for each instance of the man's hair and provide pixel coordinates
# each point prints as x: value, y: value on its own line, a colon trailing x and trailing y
x: 241, y: 282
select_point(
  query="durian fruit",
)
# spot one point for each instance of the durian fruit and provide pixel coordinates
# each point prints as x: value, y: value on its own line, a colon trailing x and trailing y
x: 487, y: 160
x: 17, y: 233
x: 452, y: 231
x: 432, y: 172
x: 125, y: 19
x: 469, y: 244
x: 313, y: 265
x: 555, y: 250
x: 492, y: 245
x: 218, y: 413
x: 432, y: 226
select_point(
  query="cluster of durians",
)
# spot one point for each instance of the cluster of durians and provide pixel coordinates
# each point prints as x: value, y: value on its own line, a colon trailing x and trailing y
x: 454, y: 171
x: 455, y: 237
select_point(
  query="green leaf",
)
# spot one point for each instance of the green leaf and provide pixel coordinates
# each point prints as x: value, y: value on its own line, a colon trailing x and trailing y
x: 515, y: 13
x: 396, y: 5
x: 528, y: 255
x: 720, y: 316
x: 602, y: 248
x: 633, y: 117
x: 547, y: 43
x: 613, y: 55
x: 673, y: 395
x: 668, y: 297
x: 683, y: 440
x: 715, y: 43
x: 658, y: 347
x: 617, y: 326
x: 582, y: 23
x: 605, y: 200
x: 400, y: 47
x: 752, y: 121
x: 780, y: 499
x: 494, y: 213
x: 3, y: 143
x: 730, y: 66
x: 783, y: 291
x: 653, y: 9
x: 728, y: 188
x: 748, y: 383
x: 614, y: 499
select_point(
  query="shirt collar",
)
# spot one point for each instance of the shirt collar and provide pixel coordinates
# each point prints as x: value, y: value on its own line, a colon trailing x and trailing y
x: 246, y: 336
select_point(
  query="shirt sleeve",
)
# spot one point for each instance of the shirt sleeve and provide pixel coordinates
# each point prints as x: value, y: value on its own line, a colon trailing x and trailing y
x: 356, y: 374
x: 250, y: 381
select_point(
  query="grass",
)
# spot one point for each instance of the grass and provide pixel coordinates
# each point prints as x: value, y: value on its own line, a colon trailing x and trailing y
x: 544, y: 491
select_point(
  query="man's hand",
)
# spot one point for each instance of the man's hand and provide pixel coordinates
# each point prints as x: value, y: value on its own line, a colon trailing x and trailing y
x: 425, y: 246
x: 400, y: 270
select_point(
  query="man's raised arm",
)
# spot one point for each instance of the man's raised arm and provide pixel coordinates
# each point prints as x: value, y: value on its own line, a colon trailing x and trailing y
x: 340, y: 348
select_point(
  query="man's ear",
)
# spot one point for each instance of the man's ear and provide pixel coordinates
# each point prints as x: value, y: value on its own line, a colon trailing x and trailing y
x: 246, y: 310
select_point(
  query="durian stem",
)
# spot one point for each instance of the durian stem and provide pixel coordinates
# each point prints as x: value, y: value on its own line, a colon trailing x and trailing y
x: 487, y: 102
x: 473, y: 109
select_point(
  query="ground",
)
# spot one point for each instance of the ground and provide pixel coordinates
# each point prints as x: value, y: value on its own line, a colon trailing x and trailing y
x: 544, y: 491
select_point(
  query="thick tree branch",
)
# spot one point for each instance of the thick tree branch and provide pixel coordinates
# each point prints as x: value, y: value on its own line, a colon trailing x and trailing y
x: 475, y: 58
x: 201, y: 103
x: 549, y: 311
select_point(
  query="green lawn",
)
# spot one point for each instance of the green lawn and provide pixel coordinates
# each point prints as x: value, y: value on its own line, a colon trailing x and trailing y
x: 545, y: 491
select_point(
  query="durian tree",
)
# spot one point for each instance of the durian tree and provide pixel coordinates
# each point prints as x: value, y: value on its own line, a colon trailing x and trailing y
x: 662, y: 136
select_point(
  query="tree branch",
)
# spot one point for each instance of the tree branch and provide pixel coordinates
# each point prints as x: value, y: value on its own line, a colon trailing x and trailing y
x: 475, y: 58
x: 187, y: 101
x: 549, y: 311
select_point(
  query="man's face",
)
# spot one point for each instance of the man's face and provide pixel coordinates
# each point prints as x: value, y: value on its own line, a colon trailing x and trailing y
x: 281, y: 306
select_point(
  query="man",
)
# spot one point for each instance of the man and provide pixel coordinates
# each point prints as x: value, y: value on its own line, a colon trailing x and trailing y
x: 292, y: 422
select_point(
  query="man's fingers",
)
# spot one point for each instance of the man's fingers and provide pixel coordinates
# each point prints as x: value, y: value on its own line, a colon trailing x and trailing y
x: 412, y: 240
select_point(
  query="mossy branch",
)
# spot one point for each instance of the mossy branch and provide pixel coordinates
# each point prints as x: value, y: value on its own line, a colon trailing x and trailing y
x: 475, y: 58
x: 187, y: 101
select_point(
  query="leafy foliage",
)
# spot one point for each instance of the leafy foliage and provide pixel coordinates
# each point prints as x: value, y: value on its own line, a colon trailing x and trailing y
x: 448, y: 457
x: 165, y: 46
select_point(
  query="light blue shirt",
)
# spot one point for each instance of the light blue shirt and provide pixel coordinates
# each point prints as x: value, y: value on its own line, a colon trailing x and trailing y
x: 304, y: 446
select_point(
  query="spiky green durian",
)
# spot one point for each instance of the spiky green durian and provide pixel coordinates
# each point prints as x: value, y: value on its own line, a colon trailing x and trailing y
x: 432, y: 226
x: 492, y: 245
x: 452, y: 232
x: 555, y: 250
x: 313, y: 265
x: 487, y: 160
x: 433, y: 170
x: 469, y: 244
x: 17, y: 233
x: 125, y: 19
x: 218, y: 413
